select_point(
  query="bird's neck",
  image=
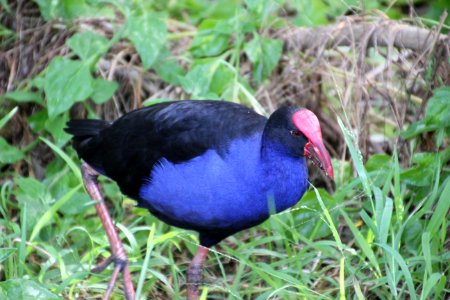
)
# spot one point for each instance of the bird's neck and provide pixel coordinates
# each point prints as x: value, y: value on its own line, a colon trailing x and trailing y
x: 285, y: 175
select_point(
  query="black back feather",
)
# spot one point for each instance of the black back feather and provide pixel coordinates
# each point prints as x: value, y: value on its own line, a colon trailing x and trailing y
x: 127, y: 149
x: 86, y: 139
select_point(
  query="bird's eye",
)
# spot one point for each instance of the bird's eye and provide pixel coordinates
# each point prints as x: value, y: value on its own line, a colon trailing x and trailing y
x: 295, y: 133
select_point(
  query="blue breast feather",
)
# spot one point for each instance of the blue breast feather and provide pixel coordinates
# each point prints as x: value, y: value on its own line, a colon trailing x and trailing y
x: 225, y: 192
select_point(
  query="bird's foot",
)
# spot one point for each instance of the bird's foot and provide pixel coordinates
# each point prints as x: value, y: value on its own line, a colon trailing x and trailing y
x: 194, y: 280
x: 194, y: 273
x: 119, y: 256
x: 120, y: 266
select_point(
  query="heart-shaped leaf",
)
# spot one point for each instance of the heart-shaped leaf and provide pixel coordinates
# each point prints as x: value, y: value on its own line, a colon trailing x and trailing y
x: 66, y: 82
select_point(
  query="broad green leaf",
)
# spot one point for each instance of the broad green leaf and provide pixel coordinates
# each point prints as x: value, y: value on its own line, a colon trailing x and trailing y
x: 88, y: 44
x: 422, y: 172
x: 437, y: 115
x: 438, y: 108
x: 262, y: 12
x: 311, y: 13
x: 220, y: 9
x: 66, y: 9
x: 264, y: 54
x: 416, y: 129
x: 76, y: 205
x: 103, y: 90
x: 37, y: 120
x: 148, y: 34
x: 47, y: 8
x: 198, y: 80
x: 31, y: 187
x: 38, y: 82
x: 168, y: 68
x: 212, y: 38
x: 66, y: 82
x: 8, y: 153
x: 24, y: 289
x: 46, y: 216
x: 56, y: 127
x: 32, y: 193
x: 378, y: 161
x: 5, y: 5
x: 222, y: 79
x: 24, y: 96
x: 378, y: 167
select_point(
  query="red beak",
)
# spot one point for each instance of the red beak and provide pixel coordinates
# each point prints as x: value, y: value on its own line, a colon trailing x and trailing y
x: 307, y: 122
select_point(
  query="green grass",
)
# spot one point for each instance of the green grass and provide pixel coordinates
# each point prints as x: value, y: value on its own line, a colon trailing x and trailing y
x: 352, y: 249
x: 344, y: 251
x: 382, y: 234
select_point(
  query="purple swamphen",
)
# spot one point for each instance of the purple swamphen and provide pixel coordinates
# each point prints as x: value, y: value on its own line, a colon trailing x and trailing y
x: 211, y: 166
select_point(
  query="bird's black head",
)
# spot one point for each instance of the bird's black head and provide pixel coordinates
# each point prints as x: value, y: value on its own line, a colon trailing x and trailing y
x: 296, y: 131
x: 281, y: 131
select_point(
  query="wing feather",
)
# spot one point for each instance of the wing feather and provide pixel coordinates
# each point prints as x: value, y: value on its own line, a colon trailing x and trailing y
x: 178, y: 131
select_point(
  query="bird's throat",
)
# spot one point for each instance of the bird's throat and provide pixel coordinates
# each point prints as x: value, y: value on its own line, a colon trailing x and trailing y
x: 286, y: 177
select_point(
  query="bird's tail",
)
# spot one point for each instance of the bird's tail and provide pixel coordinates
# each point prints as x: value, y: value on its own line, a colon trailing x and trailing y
x: 86, y: 139
x: 85, y: 128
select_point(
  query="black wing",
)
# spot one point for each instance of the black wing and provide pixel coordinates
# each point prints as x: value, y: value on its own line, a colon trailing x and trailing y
x: 127, y: 149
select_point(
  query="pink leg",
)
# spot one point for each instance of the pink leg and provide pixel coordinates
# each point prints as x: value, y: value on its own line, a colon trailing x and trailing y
x: 119, y: 256
x: 194, y: 273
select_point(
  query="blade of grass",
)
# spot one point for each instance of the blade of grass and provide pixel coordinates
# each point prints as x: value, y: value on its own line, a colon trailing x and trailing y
x: 356, y: 158
x: 401, y: 262
x: 440, y: 286
x: 23, y: 239
x: 426, y: 251
x: 398, y: 199
x: 129, y: 235
x: 369, y: 222
x: 379, y: 206
x: 204, y: 294
x: 361, y: 241
x: 385, y: 221
x: 429, y: 285
x: 5, y: 193
x: 441, y: 209
x: 72, y: 165
x: 329, y: 220
x: 148, y: 252
x: 358, y: 291
x: 342, y: 278
x: 8, y: 116
x: 336, y: 236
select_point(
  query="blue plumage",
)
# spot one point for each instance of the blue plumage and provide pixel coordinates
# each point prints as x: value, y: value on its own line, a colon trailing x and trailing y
x: 214, y: 167
x: 210, y: 166
x: 226, y: 193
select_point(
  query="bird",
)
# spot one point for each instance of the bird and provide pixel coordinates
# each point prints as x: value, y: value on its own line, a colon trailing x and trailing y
x: 215, y: 167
